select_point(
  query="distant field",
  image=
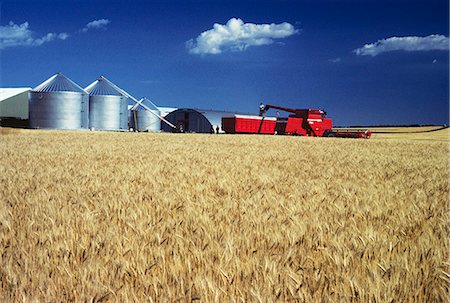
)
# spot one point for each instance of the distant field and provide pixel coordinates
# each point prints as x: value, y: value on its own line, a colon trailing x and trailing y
x: 104, y: 216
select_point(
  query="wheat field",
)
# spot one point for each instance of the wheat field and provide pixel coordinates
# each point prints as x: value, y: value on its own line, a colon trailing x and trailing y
x: 138, y: 217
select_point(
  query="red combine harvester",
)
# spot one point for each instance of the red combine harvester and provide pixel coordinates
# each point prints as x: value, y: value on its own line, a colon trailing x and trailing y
x: 301, y: 122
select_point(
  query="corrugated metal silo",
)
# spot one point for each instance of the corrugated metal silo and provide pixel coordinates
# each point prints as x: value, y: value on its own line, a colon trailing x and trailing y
x: 145, y: 119
x: 108, y: 108
x: 58, y: 103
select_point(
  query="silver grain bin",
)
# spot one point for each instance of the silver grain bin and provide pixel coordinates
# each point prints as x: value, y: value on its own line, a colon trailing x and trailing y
x: 145, y: 119
x: 58, y: 103
x: 108, y: 108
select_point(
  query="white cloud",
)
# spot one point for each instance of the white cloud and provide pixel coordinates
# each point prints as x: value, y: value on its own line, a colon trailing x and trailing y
x: 412, y: 43
x: 335, y: 60
x: 63, y: 36
x: 12, y: 35
x: 96, y: 24
x: 238, y: 36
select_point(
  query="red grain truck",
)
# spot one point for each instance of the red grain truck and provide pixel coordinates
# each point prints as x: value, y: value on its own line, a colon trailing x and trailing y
x: 300, y: 122
x: 245, y: 124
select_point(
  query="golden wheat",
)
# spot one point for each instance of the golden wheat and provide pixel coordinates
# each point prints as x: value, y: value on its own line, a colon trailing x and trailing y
x: 97, y: 216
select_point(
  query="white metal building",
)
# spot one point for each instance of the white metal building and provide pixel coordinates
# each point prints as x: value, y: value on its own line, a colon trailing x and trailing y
x: 14, y: 102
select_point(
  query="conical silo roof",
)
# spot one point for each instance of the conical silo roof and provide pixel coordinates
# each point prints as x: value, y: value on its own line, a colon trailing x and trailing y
x: 103, y: 87
x: 58, y: 83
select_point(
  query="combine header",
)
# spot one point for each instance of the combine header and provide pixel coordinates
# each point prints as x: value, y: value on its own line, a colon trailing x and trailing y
x: 300, y: 122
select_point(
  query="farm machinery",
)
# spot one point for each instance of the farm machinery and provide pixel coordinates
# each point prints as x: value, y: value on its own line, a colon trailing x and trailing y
x: 300, y: 122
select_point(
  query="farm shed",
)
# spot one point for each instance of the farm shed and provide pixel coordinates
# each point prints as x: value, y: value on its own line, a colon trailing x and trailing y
x: 14, y: 102
x: 196, y: 120
x: 108, y: 106
x: 59, y: 103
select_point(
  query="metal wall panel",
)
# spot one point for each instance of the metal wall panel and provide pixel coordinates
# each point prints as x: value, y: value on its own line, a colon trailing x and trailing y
x: 124, y: 114
x: 15, y: 105
x: 85, y: 112
x: 108, y: 112
x: 58, y: 110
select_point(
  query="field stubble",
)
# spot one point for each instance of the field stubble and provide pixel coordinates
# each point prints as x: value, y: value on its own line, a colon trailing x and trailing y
x: 93, y: 216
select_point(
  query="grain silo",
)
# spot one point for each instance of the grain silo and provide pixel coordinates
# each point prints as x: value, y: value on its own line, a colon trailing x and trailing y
x: 108, y: 108
x: 58, y: 103
x: 143, y: 118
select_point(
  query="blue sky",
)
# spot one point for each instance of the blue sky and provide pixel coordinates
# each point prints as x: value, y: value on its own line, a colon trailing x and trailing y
x: 364, y: 62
